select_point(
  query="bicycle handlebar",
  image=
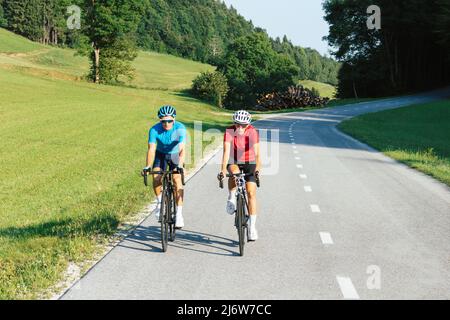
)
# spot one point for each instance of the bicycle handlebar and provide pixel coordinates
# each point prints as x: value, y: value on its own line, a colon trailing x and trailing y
x: 240, y: 175
x: 230, y: 175
x: 175, y: 171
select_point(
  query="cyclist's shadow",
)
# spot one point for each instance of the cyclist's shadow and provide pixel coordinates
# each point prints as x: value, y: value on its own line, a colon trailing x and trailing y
x: 150, y: 237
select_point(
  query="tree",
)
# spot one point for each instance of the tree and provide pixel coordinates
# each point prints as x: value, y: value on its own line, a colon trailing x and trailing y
x: 109, y: 25
x: 253, y: 68
x: 311, y: 65
x: 215, y: 48
x: 15, y: 13
x: 315, y: 92
x: 115, y: 61
x: 409, y: 53
x: 442, y: 25
x: 196, y: 29
x: 211, y: 86
x: 3, y: 21
x: 315, y: 66
x: 38, y: 20
x: 301, y: 60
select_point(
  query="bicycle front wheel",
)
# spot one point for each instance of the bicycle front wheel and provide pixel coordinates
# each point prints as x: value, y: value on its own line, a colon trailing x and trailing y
x: 165, y: 211
x: 240, y: 223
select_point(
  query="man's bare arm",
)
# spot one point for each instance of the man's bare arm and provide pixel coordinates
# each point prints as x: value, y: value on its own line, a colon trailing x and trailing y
x: 151, y: 154
x: 182, y: 155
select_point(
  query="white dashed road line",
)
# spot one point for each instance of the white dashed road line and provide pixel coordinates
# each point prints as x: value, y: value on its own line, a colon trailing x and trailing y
x: 326, y: 238
x: 308, y: 189
x: 347, y: 288
x: 315, y: 208
x: 299, y: 166
x: 303, y: 176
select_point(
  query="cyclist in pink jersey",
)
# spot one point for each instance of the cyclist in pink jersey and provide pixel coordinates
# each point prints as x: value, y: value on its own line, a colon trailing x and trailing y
x: 241, y: 152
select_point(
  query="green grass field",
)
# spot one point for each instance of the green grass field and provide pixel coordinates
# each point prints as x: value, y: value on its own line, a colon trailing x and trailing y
x: 325, y: 90
x: 71, y: 155
x: 328, y: 91
x: 12, y: 43
x: 153, y: 70
x: 418, y: 136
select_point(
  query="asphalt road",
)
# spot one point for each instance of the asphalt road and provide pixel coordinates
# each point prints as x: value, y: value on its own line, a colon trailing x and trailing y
x: 337, y: 220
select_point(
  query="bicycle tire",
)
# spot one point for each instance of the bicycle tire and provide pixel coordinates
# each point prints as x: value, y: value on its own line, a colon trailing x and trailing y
x: 240, y: 215
x: 173, y: 217
x: 164, y: 222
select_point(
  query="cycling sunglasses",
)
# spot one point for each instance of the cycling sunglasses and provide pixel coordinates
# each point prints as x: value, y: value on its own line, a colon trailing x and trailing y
x: 166, y: 121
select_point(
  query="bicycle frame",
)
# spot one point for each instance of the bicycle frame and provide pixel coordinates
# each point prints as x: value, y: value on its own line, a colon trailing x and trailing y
x: 242, y: 189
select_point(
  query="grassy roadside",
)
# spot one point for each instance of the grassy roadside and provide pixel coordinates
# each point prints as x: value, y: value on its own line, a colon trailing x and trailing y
x: 69, y: 170
x: 417, y: 136
x: 71, y: 155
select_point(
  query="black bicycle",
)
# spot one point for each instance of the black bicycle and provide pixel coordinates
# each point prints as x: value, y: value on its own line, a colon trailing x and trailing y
x: 168, y: 214
x: 242, y: 216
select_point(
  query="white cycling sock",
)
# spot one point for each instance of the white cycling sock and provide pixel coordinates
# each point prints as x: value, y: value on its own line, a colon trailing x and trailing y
x: 232, y: 195
x: 253, y: 221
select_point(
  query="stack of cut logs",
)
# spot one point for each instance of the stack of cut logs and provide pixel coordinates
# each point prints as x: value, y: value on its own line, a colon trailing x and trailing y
x: 294, y: 97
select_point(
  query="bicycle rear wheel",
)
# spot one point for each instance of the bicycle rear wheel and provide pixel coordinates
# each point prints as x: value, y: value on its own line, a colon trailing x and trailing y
x: 240, y: 223
x: 165, y: 209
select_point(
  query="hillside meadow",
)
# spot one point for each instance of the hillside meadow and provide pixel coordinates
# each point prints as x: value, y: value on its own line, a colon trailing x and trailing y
x: 72, y: 152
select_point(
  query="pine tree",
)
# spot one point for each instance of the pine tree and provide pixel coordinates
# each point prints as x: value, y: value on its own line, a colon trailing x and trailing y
x: 15, y: 13
x: 3, y: 21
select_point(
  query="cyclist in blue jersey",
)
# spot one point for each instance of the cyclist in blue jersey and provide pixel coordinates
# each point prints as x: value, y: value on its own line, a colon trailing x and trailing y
x: 166, y: 147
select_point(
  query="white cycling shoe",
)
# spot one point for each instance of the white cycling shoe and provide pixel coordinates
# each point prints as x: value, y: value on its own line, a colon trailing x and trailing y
x: 180, y: 221
x: 231, y: 206
x: 252, y: 234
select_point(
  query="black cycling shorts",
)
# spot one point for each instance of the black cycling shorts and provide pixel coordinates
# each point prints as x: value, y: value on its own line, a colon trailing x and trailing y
x: 247, y: 168
x: 164, y: 159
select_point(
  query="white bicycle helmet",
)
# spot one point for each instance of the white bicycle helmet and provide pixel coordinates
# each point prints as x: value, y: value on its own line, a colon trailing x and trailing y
x: 242, y: 117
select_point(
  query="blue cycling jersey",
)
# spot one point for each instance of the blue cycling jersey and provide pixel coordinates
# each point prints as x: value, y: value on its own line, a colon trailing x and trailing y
x: 167, y: 140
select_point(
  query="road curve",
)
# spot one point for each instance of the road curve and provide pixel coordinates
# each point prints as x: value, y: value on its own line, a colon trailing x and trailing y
x: 338, y: 220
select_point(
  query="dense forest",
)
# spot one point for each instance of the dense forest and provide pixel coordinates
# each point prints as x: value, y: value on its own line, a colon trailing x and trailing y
x: 201, y: 30
x: 38, y: 20
x: 411, y: 51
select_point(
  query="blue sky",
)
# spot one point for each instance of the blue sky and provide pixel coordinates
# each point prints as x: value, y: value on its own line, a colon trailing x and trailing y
x: 301, y: 20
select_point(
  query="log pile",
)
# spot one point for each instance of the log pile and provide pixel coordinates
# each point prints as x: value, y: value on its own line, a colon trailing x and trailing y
x: 294, y: 97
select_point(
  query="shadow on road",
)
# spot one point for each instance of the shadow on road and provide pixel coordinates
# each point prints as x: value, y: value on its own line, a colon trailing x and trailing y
x: 149, y: 239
